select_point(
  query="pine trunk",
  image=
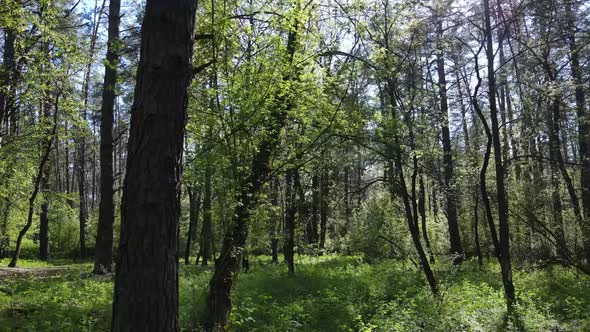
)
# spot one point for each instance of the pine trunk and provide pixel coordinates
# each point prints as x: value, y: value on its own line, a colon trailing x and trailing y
x: 146, y: 280
x: 106, y: 209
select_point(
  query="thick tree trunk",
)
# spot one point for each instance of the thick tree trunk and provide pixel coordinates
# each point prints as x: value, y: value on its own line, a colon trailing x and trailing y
x: 504, y: 227
x: 456, y: 249
x: 106, y: 210
x: 146, y: 281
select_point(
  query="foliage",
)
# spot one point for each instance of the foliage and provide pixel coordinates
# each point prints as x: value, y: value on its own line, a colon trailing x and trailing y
x: 329, y: 293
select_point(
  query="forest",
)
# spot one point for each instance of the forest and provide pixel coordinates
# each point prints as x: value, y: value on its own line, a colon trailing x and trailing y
x: 294, y: 165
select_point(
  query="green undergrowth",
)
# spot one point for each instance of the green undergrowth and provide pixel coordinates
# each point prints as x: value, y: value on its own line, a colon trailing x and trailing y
x: 331, y: 293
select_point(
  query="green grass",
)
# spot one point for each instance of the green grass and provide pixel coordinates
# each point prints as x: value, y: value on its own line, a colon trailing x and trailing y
x: 331, y: 293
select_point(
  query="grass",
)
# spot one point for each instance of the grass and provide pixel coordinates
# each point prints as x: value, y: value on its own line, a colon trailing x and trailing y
x: 332, y: 293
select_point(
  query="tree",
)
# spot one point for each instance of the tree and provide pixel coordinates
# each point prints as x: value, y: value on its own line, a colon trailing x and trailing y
x: 80, y: 164
x: 104, y: 239
x: 504, y: 227
x: 51, y: 130
x: 219, y: 298
x: 146, y: 280
x: 450, y: 185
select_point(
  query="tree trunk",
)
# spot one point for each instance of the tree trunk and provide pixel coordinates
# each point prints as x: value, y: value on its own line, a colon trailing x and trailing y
x: 583, y: 124
x: 398, y: 187
x: 45, y: 150
x: 8, y: 75
x: 106, y: 209
x: 413, y: 226
x: 456, y: 249
x: 219, y: 298
x: 194, y: 198
x: 275, y: 227
x: 146, y: 280
x: 207, y: 222
x: 219, y: 302
x: 81, y: 139
x: 504, y: 227
x: 324, y: 207
x: 299, y: 194
x: 83, y: 205
x: 476, y: 230
x: 555, y: 154
x: 43, y: 216
x: 422, y: 211
x: 484, y: 168
x: 347, y: 200
x: 289, y: 242
x: 313, y: 223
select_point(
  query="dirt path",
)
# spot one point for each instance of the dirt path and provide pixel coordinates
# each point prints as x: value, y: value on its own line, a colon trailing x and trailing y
x: 11, y: 272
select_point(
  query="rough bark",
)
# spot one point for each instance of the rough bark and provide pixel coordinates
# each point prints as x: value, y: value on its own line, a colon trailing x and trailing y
x: 146, y: 280
x: 106, y: 210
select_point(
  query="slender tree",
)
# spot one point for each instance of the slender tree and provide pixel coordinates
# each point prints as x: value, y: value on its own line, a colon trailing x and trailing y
x: 450, y: 185
x: 219, y: 298
x: 106, y: 210
x: 504, y: 226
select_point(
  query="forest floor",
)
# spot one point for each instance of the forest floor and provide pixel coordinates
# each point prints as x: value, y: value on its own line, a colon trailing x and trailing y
x: 40, y: 272
x: 331, y: 293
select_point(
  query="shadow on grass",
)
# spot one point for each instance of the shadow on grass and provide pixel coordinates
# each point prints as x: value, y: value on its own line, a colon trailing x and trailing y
x: 54, y: 317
